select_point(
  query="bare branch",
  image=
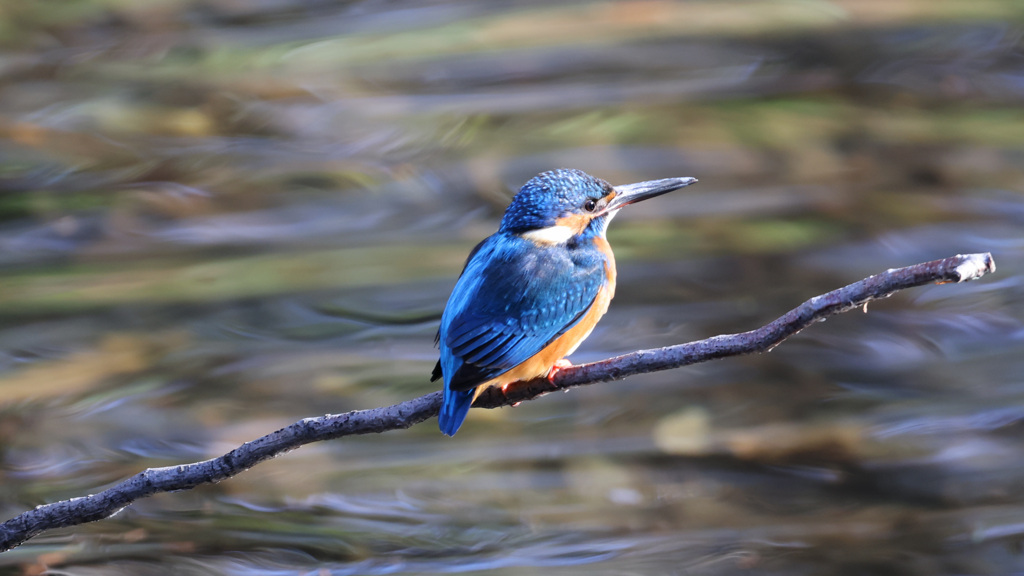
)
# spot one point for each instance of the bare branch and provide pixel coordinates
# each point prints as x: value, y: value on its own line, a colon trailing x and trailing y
x: 17, y: 530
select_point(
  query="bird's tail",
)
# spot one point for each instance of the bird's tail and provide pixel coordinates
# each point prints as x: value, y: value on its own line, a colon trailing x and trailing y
x: 454, y: 408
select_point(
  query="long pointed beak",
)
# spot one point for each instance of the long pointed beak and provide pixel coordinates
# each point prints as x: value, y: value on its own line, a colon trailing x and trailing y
x: 631, y: 193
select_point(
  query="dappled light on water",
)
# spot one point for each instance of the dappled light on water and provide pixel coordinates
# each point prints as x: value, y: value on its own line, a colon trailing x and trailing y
x: 217, y: 218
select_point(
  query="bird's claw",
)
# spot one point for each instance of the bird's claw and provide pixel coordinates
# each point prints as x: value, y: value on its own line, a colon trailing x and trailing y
x: 558, y: 367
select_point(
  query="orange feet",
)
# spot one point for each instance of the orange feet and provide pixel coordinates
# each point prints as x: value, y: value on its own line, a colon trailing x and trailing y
x: 560, y: 365
x: 509, y: 387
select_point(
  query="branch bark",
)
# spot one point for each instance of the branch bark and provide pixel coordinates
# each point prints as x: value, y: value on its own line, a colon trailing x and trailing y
x: 17, y: 530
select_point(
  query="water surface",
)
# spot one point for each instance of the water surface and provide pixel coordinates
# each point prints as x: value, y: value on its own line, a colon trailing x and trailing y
x: 217, y: 218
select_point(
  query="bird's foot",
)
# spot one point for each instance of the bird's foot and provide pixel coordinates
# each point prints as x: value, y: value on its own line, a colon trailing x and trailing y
x: 558, y: 367
x: 506, y: 387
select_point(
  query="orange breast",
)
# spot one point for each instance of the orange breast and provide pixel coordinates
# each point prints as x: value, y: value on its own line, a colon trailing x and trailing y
x: 541, y: 363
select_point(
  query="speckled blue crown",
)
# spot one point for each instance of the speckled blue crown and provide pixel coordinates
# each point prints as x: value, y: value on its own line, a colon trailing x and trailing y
x: 550, y: 195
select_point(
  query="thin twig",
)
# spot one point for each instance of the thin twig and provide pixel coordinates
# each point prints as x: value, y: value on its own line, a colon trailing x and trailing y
x: 76, y: 511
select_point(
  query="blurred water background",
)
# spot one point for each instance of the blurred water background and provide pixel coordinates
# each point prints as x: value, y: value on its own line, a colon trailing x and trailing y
x: 220, y: 216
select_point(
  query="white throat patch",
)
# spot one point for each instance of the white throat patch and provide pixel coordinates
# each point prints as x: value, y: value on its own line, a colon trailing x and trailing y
x: 550, y: 236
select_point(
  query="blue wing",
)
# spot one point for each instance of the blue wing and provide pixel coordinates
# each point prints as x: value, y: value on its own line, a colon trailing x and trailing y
x: 512, y: 300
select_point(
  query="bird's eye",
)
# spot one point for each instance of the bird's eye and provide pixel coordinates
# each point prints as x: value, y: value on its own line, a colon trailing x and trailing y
x: 590, y: 205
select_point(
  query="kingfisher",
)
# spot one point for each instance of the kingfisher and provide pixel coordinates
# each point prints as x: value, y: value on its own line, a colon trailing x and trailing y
x: 533, y: 291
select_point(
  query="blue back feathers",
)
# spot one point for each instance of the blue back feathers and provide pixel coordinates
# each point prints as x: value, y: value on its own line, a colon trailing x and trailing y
x: 515, y: 297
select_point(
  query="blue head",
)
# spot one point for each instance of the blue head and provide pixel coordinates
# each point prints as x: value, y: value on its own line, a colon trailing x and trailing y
x: 561, y: 204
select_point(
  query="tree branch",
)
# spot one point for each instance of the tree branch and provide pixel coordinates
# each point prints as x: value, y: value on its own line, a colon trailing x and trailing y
x: 76, y: 511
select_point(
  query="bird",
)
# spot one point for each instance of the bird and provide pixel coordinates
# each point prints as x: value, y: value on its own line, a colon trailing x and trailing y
x: 530, y: 293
